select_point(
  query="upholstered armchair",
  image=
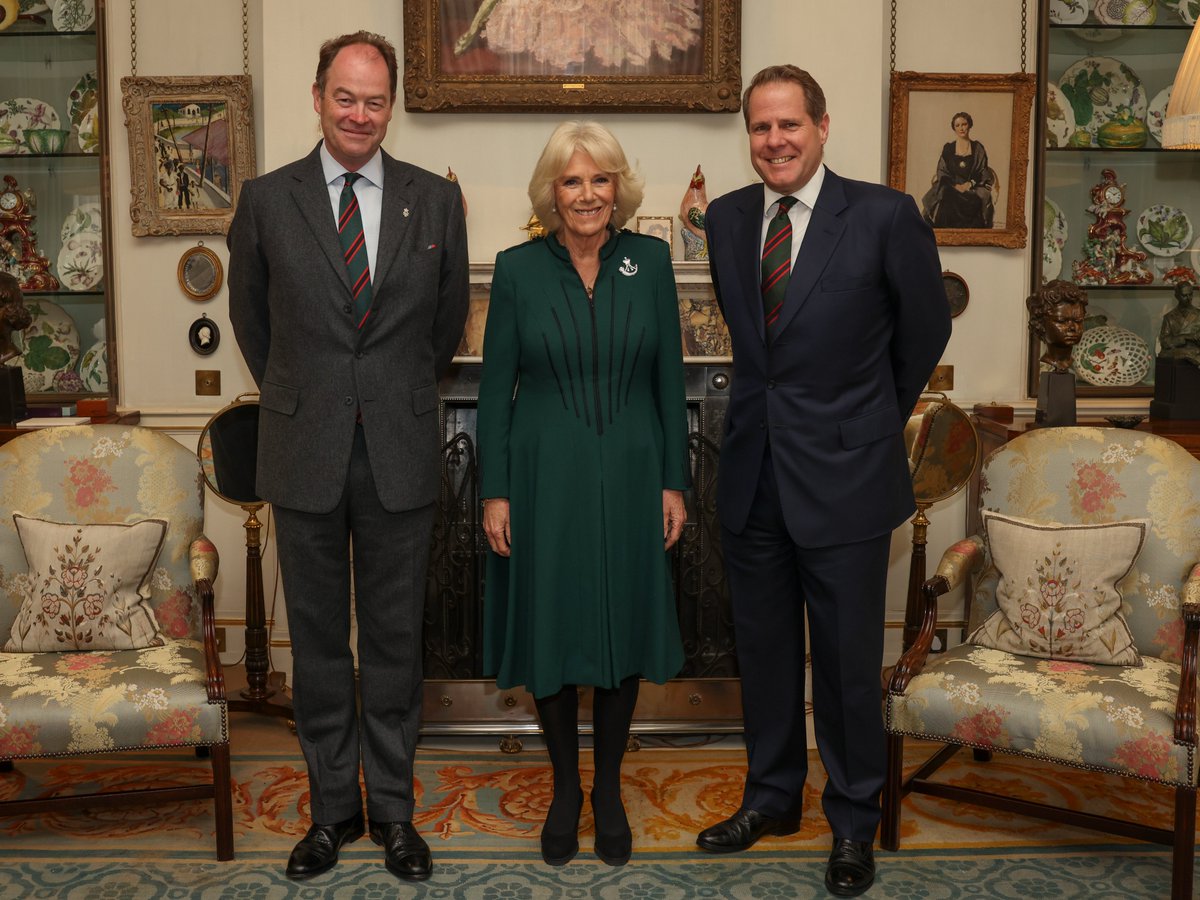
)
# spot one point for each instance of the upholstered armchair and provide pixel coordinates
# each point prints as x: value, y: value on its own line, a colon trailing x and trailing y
x: 1082, y: 639
x: 101, y: 547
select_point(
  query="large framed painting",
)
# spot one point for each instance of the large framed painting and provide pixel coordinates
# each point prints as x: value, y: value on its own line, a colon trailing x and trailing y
x: 191, y: 147
x: 572, y: 55
x: 960, y: 146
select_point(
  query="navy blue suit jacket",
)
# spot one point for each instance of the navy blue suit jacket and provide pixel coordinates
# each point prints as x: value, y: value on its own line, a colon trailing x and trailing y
x: 863, y: 324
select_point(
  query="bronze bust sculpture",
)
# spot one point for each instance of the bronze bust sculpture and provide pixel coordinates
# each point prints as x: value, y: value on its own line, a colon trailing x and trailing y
x: 14, y: 315
x: 1179, y: 336
x: 1056, y: 314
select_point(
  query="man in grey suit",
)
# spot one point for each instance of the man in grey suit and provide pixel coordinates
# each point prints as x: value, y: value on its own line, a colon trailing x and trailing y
x: 348, y: 292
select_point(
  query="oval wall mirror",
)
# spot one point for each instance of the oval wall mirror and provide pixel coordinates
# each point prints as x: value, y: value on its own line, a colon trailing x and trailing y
x: 228, y: 451
x: 943, y: 449
x: 200, y: 273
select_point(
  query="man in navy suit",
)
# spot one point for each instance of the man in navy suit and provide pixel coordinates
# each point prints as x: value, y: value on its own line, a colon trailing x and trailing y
x: 347, y: 363
x: 831, y: 349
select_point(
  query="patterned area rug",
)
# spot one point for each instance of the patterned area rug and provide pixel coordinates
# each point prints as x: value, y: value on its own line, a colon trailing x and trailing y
x: 481, y: 811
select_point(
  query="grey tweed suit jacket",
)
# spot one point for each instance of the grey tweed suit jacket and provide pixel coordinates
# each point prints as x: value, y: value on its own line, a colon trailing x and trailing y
x: 292, y: 313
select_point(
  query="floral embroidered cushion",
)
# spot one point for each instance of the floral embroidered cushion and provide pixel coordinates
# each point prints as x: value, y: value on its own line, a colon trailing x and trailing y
x: 1057, y: 591
x: 88, y: 586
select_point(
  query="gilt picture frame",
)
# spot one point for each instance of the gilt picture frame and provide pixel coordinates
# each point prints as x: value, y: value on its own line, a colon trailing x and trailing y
x: 191, y: 147
x: 536, y: 56
x: 972, y: 198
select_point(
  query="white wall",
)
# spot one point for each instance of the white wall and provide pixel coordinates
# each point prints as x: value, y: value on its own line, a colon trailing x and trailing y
x: 845, y: 45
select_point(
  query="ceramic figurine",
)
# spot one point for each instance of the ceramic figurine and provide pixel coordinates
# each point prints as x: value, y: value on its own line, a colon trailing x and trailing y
x: 450, y: 176
x: 1107, y: 259
x: 691, y: 214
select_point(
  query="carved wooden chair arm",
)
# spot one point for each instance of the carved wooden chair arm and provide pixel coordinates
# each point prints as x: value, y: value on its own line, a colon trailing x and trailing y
x: 204, y: 564
x: 1185, y: 705
x: 913, y: 661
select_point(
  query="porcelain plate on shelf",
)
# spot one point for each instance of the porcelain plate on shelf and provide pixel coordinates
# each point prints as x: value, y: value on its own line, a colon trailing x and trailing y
x: 1122, y: 12
x: 1068, y: 12
x: 1060, y: 118
x: 81, y: 106
x: 74, y: 15
x: 1157, y: 111
x: 21, y: 114
x: 1054, y: 224
x: 48, y: 346
x: 85, y: 217
x: 81, y: 261
x: 1189, y: 10
x: 1164, y: 230
x: 1097, y: 87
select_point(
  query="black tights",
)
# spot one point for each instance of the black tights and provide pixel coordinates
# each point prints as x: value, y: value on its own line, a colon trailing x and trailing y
x: 612, y: 713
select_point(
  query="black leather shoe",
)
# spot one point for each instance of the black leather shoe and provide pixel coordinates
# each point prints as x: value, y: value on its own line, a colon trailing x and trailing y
x: 318, y: 850
x: 742, y: 830
x: 404, y: 851
x: 851, y: 868
x: 559, y: 848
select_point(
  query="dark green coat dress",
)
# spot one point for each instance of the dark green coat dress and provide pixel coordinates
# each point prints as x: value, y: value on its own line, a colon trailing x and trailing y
x: 596, y: 431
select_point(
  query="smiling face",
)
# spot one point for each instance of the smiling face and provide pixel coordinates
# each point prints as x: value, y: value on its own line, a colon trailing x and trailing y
x: 584, y: 196
x: 785, y: 144
x: 356, y: 105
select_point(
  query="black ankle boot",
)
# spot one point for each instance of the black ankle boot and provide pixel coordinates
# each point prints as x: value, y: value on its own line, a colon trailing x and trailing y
x: 612, y: 712
x: 560, y: 847
x: 614, y: 839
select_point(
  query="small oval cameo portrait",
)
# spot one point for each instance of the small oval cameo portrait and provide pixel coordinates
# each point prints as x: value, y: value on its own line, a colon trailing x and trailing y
x: 204, y: 336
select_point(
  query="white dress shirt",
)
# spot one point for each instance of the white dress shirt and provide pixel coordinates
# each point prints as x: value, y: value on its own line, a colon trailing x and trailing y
x: 800, y: 213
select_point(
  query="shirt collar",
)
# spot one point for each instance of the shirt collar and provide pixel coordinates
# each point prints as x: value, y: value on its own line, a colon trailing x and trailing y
x: 806, y: 195
x: 371, y: 170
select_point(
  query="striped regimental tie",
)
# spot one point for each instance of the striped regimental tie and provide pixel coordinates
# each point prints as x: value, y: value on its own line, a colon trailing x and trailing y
x: 354, y: 248
x: 777, y: 261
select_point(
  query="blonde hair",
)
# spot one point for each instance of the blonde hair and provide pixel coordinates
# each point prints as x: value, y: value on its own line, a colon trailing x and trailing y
x: 599, y: 143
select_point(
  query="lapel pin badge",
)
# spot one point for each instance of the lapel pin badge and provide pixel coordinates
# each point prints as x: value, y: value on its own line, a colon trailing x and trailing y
x: 406, y: 212
x: 628, y: 268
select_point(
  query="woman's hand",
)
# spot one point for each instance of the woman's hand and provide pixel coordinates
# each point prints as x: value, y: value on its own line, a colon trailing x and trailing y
x: 674, y: 516
x: 495, y: 525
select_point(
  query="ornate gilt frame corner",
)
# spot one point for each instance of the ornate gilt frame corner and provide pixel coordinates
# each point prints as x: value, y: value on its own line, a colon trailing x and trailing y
x: 1015, y: 234
x: 137, y: 96
x: 427, y: 88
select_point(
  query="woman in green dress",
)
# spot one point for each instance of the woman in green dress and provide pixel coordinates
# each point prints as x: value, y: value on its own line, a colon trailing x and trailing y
x: 583, y: 455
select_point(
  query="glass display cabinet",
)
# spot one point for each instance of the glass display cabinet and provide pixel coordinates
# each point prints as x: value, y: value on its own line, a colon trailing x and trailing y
x: 1112, y: 210
x: 54, y: 199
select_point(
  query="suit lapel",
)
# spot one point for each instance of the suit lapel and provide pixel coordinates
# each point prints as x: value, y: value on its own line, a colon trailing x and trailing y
x: 746, y: 253
x: 398, y: 209
x: 311, y: 194
x: 821, y: 238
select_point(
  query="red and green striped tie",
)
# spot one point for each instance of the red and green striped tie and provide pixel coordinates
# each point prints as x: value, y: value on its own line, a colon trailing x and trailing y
x: 777, y: 261
x: 354, y: 248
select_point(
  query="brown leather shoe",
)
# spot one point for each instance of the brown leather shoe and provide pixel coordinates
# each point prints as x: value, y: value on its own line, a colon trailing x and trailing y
x: 318, y: 850
x: 851, y: 868
x: 405, y: 852
x: 742, y: 830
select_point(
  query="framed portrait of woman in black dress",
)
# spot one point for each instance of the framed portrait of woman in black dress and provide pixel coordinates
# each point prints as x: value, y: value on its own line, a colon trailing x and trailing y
x: 960, y: 147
